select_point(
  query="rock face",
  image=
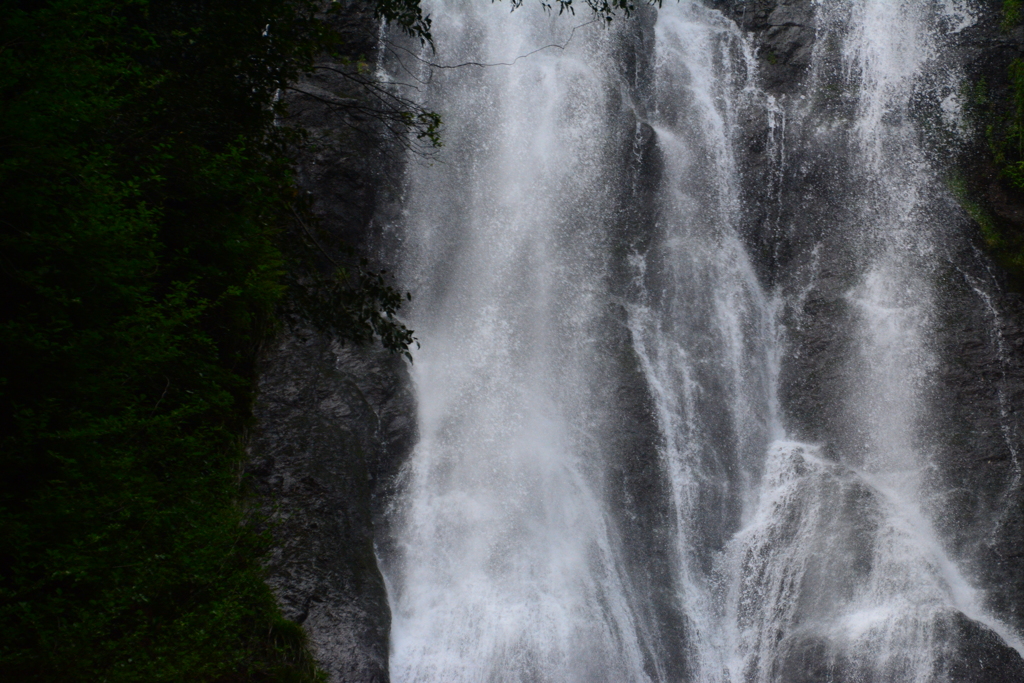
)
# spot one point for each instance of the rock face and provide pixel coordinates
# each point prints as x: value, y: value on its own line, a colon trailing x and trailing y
x: 971, y: 654
x: 978, y: 399
x: 785, y: 37
x: 333, y: 422
x: 980, y: 388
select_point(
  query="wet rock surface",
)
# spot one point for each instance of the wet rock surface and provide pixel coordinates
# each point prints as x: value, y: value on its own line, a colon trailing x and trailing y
x: 979, y: 392
x: 974, y: 653
x: 785, y: 31
x: 638, y: 488
x: 978, y: 397
x: 971, y: 653
x: 345, y: 166
x: 975, y: 390
x: 331, y: 423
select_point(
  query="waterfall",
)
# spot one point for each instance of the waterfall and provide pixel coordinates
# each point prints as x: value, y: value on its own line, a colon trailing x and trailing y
x: 509, y: 570
x: 651, y: 449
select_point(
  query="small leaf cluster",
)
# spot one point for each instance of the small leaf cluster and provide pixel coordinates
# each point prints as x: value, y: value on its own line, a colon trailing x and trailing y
x: 605, y: 9
x: 407, y: 15
x: 1011, y: 13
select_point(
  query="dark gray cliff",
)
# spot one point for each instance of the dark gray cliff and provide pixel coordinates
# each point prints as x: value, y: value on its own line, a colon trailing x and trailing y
x: 785, y: 32
x: 332, y: 421
x: 980, y: 396
x: 636, y: 486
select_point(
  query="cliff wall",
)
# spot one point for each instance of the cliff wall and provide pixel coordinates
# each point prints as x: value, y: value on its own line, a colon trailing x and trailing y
x: 333, y: 420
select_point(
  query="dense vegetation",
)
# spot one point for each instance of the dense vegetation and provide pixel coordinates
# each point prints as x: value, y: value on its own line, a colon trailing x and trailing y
x: 144, y: 192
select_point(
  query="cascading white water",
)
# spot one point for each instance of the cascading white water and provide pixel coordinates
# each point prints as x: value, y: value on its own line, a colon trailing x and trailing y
x: 841, y: 560
x: 507, y: 569
x: 787, y: 561
x: 701, y: 325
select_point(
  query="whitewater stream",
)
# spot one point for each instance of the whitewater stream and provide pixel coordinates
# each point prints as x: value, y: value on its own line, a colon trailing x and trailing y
x: 654, y: 445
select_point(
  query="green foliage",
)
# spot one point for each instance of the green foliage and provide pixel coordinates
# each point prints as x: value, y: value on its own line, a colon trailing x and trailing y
x: 360, y: 314
x: 1009, y: 146
x: 143, y: 188
x: 1006, y: 138
x: 407, y: 14
x: 1011, y: 13
x: 989, y: 232
x: 1002, y: 119
x: 425, y: 124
